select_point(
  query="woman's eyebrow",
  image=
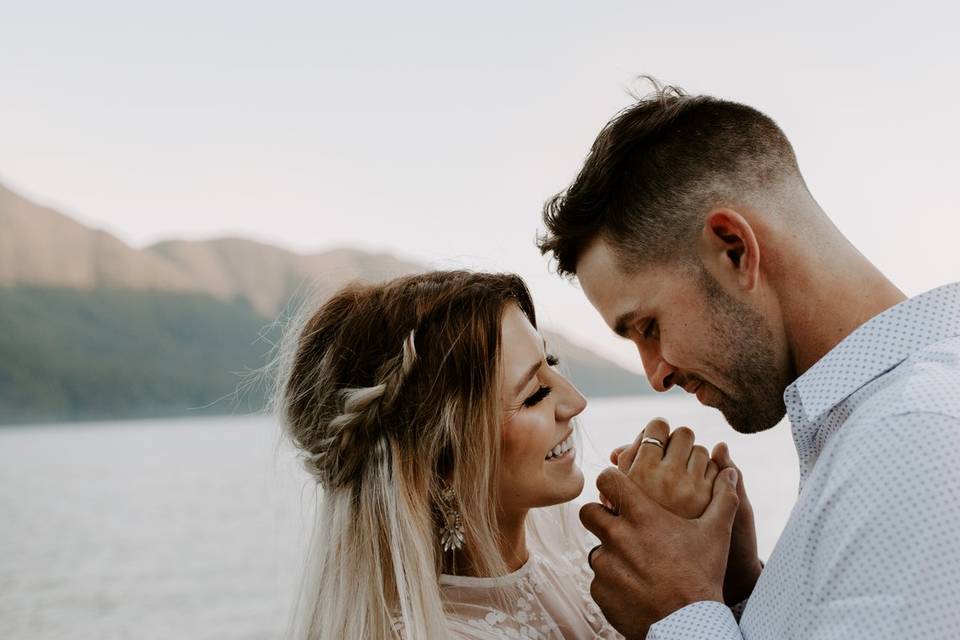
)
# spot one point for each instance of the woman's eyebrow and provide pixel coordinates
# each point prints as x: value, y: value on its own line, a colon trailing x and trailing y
x: 532, y: 371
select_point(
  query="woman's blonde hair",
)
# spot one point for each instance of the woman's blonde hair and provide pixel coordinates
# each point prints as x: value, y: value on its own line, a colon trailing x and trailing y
x: 391, y: 393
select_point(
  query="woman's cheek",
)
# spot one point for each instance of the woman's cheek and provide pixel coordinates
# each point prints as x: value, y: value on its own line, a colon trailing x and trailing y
x: 520, y: 444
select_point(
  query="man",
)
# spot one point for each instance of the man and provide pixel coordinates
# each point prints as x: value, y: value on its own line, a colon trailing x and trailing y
x: 693, y: 234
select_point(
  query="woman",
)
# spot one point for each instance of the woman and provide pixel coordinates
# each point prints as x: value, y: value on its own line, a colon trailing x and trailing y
x: 441, y: 435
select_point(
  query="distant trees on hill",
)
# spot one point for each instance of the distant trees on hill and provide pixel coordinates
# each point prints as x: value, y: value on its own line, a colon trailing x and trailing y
x: 84, y: 355
x: 69, y: 354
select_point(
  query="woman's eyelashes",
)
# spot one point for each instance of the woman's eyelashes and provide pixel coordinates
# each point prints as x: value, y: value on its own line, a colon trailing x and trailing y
x: 537, y: 396
x: 543, y: 391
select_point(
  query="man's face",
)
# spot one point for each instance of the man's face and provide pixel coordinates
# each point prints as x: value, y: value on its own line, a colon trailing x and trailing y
x: 692, y: 333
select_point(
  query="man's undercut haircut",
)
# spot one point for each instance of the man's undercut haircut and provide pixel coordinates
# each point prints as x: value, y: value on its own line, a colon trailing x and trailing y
x: 656, y: 170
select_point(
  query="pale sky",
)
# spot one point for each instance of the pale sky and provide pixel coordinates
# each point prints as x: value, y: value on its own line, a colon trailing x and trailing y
x: 436, y: 130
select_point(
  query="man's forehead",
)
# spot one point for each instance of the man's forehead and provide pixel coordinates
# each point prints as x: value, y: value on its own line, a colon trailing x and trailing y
x: 617, y: 295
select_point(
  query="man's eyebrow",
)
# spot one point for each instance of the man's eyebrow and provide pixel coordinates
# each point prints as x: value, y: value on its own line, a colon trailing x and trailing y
x: 620, y: 326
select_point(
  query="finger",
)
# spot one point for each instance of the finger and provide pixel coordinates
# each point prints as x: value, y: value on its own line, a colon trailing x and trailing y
x: 650, y: 454
x: 626, y: 498
x: 605, y: 502
x: 723, y: 506
x: 712, y: 471
x: 597, y: 519
x: 678, y: 449
x: 616, y: 453
x: 629, y: 454
x: 625, y: 461
x: 721, y: 455
x: 698, y: 461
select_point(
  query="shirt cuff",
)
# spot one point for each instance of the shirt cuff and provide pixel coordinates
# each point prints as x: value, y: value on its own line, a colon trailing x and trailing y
x: 706, y: 620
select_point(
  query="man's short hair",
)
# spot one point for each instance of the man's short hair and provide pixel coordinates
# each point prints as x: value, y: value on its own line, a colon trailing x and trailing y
x: 655, y: 172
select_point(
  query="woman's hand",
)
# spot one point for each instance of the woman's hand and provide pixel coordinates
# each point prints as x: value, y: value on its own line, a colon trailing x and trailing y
x: 688, y: 497
x: 679, y: 477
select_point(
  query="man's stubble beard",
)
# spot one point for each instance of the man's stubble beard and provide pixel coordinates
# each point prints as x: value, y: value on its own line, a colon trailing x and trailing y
x: 746, y: 360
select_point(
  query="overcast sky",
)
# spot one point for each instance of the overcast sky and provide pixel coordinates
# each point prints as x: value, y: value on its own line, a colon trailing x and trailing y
x: 436, y: 130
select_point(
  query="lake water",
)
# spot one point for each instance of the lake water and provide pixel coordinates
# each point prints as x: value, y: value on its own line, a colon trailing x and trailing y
x: 195, y: 528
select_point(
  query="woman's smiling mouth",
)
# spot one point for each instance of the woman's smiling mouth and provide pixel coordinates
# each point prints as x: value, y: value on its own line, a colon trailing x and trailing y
x: 562, y: 450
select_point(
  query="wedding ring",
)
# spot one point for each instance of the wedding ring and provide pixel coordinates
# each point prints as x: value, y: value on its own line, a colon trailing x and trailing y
x: 651, y: 440
x: 590, y: 556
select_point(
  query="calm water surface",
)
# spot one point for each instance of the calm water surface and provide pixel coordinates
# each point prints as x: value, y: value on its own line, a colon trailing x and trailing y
x: 195, y: 528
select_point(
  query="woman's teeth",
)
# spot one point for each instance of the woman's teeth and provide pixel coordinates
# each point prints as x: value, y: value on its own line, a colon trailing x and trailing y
x: 561, y: 448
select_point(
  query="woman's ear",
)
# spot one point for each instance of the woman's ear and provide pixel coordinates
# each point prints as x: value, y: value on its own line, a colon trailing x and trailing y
x: 729, y: 249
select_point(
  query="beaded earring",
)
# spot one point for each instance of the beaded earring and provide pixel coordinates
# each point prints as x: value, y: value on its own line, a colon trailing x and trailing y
x: 451, y: 529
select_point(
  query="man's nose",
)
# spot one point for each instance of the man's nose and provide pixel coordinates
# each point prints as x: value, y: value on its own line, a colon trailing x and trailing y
x: 660, y: 373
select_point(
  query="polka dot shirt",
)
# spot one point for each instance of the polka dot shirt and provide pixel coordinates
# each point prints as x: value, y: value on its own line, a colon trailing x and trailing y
x: 872, y: 547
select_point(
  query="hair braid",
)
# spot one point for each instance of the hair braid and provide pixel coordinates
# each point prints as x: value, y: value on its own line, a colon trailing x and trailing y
x: 339, y: 455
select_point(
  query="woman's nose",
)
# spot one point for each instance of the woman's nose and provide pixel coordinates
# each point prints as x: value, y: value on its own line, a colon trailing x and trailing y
x: 572, y: 402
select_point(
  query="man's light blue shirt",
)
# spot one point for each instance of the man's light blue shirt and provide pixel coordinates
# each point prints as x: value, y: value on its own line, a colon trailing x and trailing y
x: 872, y: 546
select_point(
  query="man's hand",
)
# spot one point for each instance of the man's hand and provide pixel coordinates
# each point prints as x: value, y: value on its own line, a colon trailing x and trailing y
x: 743, y: 564
x: 652, y: 562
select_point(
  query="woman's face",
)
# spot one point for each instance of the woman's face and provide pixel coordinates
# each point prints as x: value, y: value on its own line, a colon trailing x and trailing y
x: 538, y: 467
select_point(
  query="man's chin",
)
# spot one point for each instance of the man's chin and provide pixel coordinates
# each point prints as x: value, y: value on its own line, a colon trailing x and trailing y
x: 746, y: 419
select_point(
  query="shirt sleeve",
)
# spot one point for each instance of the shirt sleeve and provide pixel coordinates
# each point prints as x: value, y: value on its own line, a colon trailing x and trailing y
x: 707, y: 620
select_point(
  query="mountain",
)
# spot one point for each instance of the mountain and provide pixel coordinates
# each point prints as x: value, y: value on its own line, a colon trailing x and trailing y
x: 268, y: 277
x: 41, y: 247
x: 91, y: 328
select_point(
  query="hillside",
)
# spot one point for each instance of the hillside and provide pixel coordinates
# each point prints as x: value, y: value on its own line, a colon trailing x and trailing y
x: 91, y: 328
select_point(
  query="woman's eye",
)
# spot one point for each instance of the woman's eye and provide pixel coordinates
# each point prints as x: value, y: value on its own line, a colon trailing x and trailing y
x: 538, y: 395
x: 552, y: 360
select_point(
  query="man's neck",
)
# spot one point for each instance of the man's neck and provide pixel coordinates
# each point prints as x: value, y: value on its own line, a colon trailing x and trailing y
x: 827, y: 303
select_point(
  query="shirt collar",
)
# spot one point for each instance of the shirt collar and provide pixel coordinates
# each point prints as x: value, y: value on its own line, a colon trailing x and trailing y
x: 873, y: 348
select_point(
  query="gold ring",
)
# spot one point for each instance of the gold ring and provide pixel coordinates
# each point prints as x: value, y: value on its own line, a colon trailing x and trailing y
x: 651, y: 440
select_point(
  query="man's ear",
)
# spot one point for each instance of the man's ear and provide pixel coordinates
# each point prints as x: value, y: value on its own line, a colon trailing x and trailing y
x: 729, y: 248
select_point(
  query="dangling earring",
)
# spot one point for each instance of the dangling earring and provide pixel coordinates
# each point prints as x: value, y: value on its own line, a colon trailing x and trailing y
x: 451, y: 529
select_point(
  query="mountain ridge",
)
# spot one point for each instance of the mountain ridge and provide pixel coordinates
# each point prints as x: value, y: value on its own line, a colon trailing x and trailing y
x: 92, y: 328
x: 44, y: 247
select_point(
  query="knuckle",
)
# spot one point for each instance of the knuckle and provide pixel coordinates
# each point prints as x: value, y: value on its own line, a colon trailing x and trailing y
x: 595, y: 591
x: 657, y: 425
x: 685, y: 432
x: 588, y: 515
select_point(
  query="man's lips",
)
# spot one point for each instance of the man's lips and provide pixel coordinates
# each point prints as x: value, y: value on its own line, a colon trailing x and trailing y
x: 692, y: 387
x: 700, y: 389
x: 702, y: 395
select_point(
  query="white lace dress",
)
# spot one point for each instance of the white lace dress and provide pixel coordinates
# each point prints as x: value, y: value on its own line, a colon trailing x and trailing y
x: 548, y: 598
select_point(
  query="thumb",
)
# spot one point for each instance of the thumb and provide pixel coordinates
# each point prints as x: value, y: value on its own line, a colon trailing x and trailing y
x: 723, y: 507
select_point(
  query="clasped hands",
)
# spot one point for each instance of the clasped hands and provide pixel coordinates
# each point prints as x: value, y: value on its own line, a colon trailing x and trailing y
x: 675, y: 528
